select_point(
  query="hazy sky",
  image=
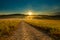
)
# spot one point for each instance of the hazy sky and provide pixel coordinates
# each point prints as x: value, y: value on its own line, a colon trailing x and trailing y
x: 8, y: 6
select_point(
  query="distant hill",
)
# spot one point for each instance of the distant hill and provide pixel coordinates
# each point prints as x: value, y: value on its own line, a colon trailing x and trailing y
x: 47, y: 17
x: 57, y: 13
x: 12, y: 15
x: 16, y: 14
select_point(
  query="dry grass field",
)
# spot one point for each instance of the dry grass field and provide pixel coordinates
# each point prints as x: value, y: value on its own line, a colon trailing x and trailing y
x: 7, y: 26
x: 52, y: 25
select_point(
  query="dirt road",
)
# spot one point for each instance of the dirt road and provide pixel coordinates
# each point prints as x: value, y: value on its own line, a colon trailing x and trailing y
x: 27, y: 32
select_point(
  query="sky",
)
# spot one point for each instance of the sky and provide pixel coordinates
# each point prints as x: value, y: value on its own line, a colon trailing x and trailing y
x: 37, y: 6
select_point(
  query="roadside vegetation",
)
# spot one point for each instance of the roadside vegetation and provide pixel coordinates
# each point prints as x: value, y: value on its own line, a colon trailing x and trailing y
x: 51, y: 27
x: 7, y: 26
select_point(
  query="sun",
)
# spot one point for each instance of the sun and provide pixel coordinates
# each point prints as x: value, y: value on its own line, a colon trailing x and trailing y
x: 29, y: 13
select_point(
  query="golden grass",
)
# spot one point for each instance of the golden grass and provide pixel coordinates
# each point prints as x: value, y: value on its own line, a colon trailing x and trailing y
x: 8, y: 25
x: 45, y: 23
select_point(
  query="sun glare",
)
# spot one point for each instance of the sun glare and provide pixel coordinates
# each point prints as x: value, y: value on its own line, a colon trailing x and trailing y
x: 29, y: 13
